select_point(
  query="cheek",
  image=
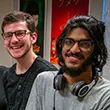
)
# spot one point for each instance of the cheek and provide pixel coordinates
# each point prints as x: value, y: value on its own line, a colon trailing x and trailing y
x: 6, y: 44
x: 64, y: 51
x: 91, y: 51
x: 87, y: 54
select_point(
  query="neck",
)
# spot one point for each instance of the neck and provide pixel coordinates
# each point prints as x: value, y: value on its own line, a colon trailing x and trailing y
x: 23, y: 64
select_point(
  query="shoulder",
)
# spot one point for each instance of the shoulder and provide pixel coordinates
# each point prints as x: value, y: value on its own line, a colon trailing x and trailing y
x: 3, y: 68
x: 104, y: 83
x: 44, y: 64
x: 43, y: 81
x: 102, y: 93
x: 8, y: 72
x: 103, y: 87
x: 46, y: 76
x: 2, y: 71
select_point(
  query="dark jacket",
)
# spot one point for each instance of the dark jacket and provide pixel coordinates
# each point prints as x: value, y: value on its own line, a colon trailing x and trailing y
x: 3, y: 105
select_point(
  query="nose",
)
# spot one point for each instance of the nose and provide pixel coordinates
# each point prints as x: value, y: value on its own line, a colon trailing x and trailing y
x: 75, y: 48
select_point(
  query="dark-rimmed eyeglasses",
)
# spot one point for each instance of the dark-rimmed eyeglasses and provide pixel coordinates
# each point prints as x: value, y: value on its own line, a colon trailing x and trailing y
x: 19, y: 34
x: 84, y: 45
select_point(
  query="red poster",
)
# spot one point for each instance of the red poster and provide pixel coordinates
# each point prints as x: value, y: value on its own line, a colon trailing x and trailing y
x: 62, y: 10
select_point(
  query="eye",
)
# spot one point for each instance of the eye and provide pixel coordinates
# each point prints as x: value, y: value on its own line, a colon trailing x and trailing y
x: 8, y: 35
x: 85, y: 44
x: 20, y: 33
x: 68, y: 42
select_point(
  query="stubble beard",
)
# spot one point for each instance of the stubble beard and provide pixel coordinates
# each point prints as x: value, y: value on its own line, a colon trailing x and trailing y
x: 25, y: 52
x: 77, y: 71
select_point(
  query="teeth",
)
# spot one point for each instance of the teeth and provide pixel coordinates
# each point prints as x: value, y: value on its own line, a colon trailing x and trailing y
x: 16, y: 47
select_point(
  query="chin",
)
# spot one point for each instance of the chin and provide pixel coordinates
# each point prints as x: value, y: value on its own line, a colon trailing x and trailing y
x: 74, y: 69
x: 72, y: 65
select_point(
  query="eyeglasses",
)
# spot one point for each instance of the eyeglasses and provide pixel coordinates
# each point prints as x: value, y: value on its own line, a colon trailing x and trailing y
x: 19, y: 34
x: 84, y: 45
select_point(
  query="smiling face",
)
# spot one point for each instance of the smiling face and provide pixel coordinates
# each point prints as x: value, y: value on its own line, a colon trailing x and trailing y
x: 18, y: 48
x: 75, y: 59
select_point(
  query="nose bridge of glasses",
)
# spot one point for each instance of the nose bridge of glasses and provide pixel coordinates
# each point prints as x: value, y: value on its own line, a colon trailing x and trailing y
x: 14, y: 36
x: 75, y: 46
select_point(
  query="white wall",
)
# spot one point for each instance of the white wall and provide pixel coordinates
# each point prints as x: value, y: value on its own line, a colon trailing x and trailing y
x: 5, y: 6
x: 95, y: 8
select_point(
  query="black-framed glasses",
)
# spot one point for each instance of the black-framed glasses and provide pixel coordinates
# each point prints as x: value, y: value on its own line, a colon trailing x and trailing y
x: 19, y: 34
x: 84, y: 44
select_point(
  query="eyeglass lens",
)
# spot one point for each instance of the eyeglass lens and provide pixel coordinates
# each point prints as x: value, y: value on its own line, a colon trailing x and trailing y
x: 19, y: 34
x: 84, y: 44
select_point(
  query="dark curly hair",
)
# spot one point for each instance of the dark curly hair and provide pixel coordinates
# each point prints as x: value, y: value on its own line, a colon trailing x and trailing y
x: 96, y: 31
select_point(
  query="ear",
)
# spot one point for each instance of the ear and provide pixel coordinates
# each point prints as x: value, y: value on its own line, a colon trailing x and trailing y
x: 34, y: 37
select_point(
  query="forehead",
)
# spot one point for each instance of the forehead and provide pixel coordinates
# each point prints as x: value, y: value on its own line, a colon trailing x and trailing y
x: 21, y: 25
x: 78, y: 34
